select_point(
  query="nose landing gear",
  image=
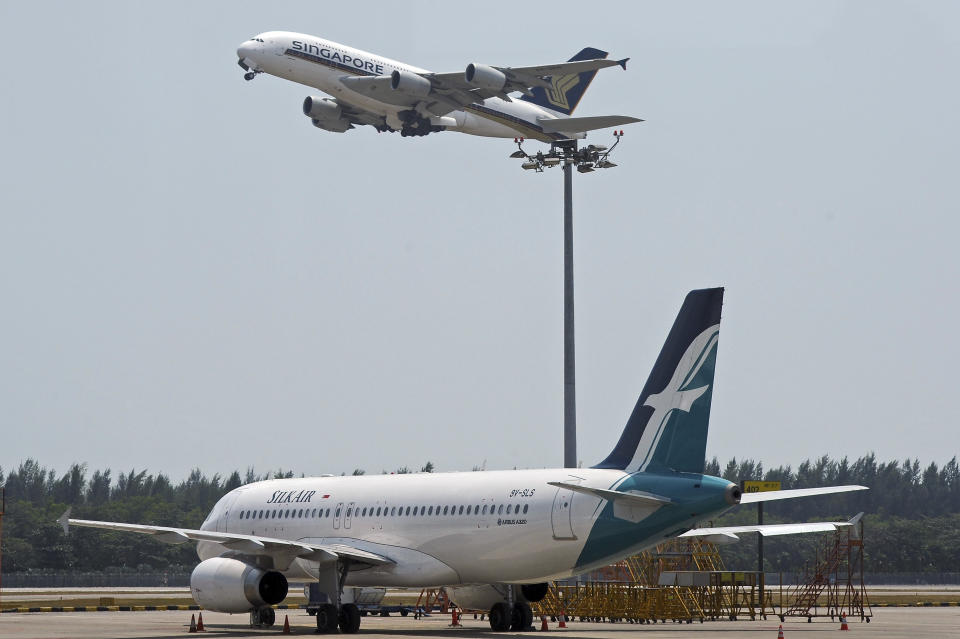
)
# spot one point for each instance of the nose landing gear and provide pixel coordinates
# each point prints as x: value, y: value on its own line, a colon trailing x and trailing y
x: 250, y: 75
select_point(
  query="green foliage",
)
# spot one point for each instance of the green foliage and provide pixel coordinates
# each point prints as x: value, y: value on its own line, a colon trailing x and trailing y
x: 912, y: 522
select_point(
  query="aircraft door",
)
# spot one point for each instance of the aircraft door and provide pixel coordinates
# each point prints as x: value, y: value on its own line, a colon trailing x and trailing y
x: 348, y: 516
x: 224, y: 518
x: 561, y: 516
x: 337, y: 516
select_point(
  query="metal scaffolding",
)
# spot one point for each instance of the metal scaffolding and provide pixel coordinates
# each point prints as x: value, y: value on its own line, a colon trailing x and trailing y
x: 681, y: 580
x: 833, y: 583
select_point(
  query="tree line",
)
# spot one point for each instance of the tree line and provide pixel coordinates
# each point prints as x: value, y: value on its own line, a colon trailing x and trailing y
x: 912, y: 522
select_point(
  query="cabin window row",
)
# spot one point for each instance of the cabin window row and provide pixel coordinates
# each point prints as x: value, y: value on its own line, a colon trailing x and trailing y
x: 388, y: 511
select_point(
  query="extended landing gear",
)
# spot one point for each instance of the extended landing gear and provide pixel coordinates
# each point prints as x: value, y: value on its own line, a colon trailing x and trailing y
x: 263, y: 617
x: 419, y: 131
x: 327, y: 618
x: 250, y: 75
x: 500, y: 617
x: 517, y: 618
x: 330, y: 616
x: 414, y: 125
x: 522, y: 618
x: 349, y: 619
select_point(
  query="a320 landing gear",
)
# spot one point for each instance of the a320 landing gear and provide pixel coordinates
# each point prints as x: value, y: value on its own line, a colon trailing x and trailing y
x: 327, y: 618
x: 517, y: 618
x: 522, y: 617
x: 349, y: 619
x: 263, y: 617
x: 330, y: 616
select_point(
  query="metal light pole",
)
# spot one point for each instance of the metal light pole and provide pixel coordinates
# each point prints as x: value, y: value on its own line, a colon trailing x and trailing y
x: 3, y: 509
x: 593, y: 156
x: 569, y: 361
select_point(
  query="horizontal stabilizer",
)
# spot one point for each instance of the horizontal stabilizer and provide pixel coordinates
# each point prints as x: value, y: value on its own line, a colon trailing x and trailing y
x: 772, y: 530
x: 772, y: 495
x: 582, y: 125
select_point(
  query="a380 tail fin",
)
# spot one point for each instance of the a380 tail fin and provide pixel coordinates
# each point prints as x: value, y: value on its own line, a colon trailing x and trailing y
x: 667, y: 430
x: 565, y: 91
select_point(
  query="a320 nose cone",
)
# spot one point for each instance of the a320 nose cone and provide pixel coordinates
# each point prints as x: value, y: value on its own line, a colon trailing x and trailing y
x: 244, y: 50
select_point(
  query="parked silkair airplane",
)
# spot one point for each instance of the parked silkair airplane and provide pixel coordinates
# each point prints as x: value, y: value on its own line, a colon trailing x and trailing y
x: 492, y: 538
x: 392, y: 96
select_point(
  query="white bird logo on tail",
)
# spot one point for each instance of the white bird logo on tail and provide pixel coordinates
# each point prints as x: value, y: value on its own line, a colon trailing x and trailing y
x: 672, y: 398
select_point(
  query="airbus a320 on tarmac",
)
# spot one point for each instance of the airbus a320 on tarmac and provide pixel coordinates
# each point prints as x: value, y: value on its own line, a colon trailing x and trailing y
x: 393, y: 96
x: 492, y: 539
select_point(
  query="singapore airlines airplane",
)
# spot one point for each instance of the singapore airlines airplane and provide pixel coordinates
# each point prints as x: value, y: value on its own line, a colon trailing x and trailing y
x: 392, y: 96
x: 493, y: 539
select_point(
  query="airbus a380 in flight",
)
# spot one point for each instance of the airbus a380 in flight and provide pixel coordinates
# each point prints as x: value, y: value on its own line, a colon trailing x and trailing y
x: 393, y: 96
x: 493, y: 539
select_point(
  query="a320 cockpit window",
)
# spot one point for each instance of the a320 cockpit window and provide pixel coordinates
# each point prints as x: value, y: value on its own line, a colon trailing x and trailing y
x: 256, y: 39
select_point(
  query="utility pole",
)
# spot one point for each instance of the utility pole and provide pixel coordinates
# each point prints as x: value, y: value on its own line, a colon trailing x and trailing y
x: 569, y: 360
x: 3, y: 509
x: 588, y: 159
x: 748, y: 486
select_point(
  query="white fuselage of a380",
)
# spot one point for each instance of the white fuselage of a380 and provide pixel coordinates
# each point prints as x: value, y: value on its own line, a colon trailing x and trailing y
x: 367, y: 89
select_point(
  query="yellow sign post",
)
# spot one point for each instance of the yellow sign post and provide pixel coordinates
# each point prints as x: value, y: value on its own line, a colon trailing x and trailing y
x: 748, y: 486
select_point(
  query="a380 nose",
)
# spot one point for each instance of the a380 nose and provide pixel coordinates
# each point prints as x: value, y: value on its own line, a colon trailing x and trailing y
x: 244, y: 50
x: 245, y: 59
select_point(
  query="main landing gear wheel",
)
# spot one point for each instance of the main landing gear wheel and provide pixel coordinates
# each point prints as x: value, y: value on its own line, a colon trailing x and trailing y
x: 500, y: 617
x: 349, y: 619
x: 522, y: 617
x: 327, y: 618
x: 266, y: 616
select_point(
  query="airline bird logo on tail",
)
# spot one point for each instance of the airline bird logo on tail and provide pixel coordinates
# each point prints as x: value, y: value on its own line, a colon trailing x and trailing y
x: 674, y: 396
x: 559, y: 86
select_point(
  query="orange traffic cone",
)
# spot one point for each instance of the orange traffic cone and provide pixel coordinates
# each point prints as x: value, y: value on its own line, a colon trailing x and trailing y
x: 843, y: 622
x: 193, y: 623
x: 543, y: 622
x: 286, y: 625
x: 200, y: 627
x: 780, y: 632
x: 563, y: 619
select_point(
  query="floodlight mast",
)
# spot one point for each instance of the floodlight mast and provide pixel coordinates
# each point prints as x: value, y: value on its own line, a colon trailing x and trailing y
x: 591, y: 157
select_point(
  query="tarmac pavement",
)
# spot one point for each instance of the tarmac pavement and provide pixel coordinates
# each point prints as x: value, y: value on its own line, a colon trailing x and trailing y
x: 912, y: 623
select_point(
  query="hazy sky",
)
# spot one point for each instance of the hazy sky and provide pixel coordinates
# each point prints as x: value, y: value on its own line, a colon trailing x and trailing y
x: 193, y: 275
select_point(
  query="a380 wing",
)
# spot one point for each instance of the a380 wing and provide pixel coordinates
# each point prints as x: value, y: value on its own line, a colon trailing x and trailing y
x: 282, y: 550
x: 451, y: 91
